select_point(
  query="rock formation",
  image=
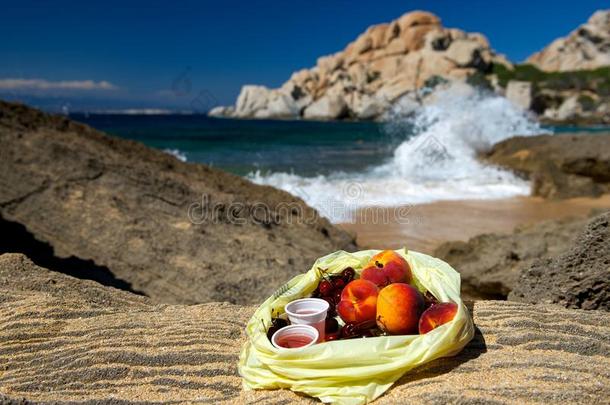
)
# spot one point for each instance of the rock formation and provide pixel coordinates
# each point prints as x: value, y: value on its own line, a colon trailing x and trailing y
x: 176, y: 232
x: 384, y: 63
x: 560, y: 166
x: 490, y: 264
x: 578, y: 278
x: 520, y: 93
x: 587, y: 47
x: 69, y: 340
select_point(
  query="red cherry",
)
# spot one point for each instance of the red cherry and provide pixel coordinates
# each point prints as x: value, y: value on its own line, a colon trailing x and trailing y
x: 348, y: 331
x: 337, y: 297
x: 326, y: 288
x: 348, y: 274
x: 332, y: 307
x: 331, y: 325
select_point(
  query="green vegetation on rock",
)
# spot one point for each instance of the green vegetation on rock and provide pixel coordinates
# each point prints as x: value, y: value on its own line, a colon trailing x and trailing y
x: 597, y: 80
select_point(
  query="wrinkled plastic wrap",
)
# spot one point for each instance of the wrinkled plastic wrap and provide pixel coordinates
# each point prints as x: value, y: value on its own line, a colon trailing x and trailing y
x: 353, y: 371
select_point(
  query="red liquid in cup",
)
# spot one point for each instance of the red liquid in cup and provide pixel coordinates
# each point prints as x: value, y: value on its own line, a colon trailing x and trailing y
x: 294, y: 340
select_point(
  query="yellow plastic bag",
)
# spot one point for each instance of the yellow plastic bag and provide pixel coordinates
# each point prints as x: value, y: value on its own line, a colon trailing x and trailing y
x: 352, y: 371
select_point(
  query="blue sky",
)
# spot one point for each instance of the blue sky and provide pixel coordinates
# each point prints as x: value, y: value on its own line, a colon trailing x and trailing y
x: 186, y: 54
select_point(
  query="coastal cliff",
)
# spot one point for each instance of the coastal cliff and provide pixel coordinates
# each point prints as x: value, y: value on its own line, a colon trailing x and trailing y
x: 385, y: 63
x: 401, y: 64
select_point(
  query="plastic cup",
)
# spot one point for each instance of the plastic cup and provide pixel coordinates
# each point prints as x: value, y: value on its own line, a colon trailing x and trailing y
x: 309, y: 311
x: 294, y: 337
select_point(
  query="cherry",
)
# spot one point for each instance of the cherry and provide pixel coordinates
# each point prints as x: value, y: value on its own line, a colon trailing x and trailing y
x: 326, y: 288
x: 368, y: 333
x: 366, y: 325
x: 429, y: 300
x: 331, y: 325
x: 349, y: 331
x: 348, y: 274
x: 271, y: 331
x: 332, y: 336
x: 279, y: 322
x: 332, y: 306
x: 339, y: 283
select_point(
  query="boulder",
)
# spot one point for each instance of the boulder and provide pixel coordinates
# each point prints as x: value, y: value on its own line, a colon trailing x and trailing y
x: 279, y: 105
x: 140, y: 219
x: 490, y: 264
x: 251, y: 99
x: 569, y: 109
x: 69, y: 340
x: 587, y: 47
x: 577, y: 278
x: 462, y: 52
x: 519, y: 93
x: 560, y: 166
x: 366, y: 107
x: 382, y: 64
x: 417, y: 18
x: 221, y: 111
x: 327, y: 107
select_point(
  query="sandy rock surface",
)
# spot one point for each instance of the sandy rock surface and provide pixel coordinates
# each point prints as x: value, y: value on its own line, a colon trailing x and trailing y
x: 67, y: 340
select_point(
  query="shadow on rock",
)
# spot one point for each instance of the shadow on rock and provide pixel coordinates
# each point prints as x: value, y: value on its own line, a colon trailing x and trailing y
x: 15, y: 238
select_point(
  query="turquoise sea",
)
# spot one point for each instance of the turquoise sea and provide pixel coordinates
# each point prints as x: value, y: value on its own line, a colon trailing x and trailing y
x: 424, y: 156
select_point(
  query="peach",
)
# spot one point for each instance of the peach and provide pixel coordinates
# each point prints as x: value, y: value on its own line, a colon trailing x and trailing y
x: 399, y: 306
x: 437, y: 315
x: 387, y: 267
x: 358, y: 301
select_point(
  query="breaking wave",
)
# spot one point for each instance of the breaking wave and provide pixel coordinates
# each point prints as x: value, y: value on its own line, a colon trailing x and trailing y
x: 437, y: 159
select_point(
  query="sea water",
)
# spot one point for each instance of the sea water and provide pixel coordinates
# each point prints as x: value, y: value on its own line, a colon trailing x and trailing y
x: 419, y: 156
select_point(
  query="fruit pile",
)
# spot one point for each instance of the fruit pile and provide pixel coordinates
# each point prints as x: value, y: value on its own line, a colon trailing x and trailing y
x: 381, y: 302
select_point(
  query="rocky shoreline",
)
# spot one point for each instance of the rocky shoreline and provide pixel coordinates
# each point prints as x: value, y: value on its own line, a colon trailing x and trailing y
x: 74, y: 196
x: 83, y: 206
x: 561, y: 262
x: 393, y: 68
x: 559, y: 166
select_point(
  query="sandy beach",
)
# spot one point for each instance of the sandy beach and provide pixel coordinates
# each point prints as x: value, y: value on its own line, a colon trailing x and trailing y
x: 423, y: 227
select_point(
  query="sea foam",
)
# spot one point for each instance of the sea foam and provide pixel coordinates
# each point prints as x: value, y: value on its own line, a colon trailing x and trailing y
x: 436, y: 161
x: 177, y: 153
